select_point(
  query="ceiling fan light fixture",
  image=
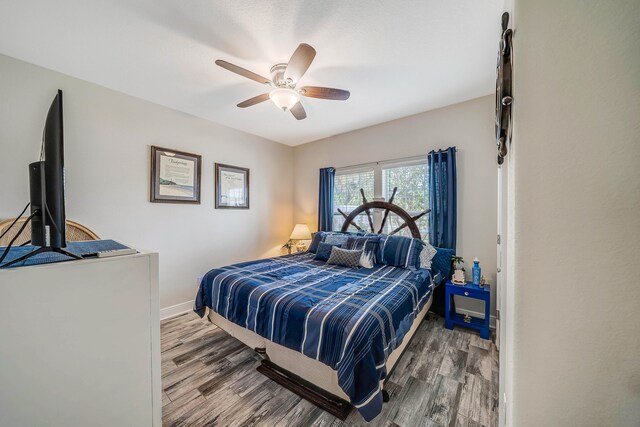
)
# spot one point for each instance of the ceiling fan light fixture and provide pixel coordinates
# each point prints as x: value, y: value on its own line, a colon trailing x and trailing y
x: 284, y: 98
x: 282, y: 86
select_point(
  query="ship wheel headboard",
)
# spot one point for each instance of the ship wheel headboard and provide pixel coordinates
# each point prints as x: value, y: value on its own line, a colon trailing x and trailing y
x: 388, y: 207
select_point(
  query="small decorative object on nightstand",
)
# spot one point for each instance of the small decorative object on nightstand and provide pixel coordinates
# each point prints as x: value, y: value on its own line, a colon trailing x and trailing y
x: 300, y: 232
x: 470, y: 291
x: 458, y: 270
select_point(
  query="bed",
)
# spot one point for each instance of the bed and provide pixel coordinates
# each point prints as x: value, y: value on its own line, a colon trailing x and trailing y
x: 336, y: 332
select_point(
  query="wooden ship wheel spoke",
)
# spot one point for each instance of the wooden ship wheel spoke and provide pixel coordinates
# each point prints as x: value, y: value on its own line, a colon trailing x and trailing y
x: 408, y: 221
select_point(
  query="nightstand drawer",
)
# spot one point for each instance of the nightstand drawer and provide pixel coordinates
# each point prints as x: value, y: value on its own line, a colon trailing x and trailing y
x: 468, y: 291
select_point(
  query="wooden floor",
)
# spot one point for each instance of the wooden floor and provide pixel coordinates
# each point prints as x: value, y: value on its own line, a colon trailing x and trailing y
x: 445, y: 378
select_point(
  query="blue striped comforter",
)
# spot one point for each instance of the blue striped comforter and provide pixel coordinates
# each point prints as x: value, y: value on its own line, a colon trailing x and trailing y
x: 350, y: 320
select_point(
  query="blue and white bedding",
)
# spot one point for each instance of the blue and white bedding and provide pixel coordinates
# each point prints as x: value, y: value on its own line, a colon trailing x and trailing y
x: 349, y: 319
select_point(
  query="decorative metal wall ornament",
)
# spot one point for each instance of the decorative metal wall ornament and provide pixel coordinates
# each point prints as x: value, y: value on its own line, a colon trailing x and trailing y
x: 504, y: 97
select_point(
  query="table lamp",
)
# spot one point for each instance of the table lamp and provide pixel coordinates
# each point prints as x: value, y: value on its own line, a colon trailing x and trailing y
x: 300, y: 232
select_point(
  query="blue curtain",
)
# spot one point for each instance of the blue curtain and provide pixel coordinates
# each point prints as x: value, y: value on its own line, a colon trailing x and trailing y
x: 442, y: 198
x: 325, y: 202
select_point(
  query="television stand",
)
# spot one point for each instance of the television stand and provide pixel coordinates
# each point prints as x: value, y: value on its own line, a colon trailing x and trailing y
x: 41, y: 250
x: 84, y: 339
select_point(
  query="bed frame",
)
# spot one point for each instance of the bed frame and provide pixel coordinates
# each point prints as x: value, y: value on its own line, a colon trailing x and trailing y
x: 309, y: 378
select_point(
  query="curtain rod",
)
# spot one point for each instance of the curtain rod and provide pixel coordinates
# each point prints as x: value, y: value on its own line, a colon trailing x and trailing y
x: 399, y: 159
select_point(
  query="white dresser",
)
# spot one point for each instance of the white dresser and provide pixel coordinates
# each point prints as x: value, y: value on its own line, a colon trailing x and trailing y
x: 80, y: 343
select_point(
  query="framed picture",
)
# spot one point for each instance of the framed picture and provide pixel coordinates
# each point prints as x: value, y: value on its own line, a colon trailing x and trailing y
x: 232, y: 187
x: 175, y: 176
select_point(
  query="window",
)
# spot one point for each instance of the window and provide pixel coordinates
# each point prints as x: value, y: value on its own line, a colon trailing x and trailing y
x: 378, y: 182
x: 347, y: 197
x: 412, y: 194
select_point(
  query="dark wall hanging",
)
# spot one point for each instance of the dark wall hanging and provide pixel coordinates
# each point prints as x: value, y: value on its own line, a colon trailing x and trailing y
x: 232, y: 187
x: 504, y: 95
x: 175, y: 176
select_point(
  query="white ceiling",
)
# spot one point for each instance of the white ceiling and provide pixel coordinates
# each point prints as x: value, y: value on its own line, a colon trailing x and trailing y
x: 396, y: 57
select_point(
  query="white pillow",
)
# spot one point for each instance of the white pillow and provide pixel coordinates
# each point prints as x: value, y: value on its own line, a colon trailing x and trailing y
x: 366, y: 259
x: 427, y: 254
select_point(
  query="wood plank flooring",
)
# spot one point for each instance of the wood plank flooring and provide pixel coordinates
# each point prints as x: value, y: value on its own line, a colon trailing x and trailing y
x: 445, y: 378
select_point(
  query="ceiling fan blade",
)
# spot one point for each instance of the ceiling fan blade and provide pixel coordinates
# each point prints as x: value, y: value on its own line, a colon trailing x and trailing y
x: 244, y: 73
x: 298, y: 111
x: 325, y: 93
x: 253, y: 101
x: 299, y: 62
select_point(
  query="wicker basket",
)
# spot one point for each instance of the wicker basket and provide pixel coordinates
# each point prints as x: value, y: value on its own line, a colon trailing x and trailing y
x: 75, y: 232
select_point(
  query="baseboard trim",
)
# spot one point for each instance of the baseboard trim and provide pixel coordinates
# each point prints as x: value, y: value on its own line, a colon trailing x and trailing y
x: 492, y: 319
x: 175, y: 310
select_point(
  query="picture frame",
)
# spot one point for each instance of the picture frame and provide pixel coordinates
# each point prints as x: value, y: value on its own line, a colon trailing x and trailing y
x: 175, y: 176
x: 231, y: 187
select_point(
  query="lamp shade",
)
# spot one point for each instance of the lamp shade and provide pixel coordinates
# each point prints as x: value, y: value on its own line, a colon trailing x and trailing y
x: 300, y: 232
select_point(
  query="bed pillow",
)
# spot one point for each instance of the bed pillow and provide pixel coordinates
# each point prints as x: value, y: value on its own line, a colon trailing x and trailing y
x: 441, y: 261
x: 427, y: 254
x: 345, y: 257
x: 400, y: 251
x: 324, y: 250
x: 336, y: 239
x: 321, y: 236
x: 315, y: 241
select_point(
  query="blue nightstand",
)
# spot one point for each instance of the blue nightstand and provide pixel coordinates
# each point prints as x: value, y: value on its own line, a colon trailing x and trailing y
x: 470, y: 291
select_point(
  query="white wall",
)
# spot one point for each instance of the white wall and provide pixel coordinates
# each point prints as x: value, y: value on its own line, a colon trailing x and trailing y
x: 107, y: 137
x: 505, y: 276
x: 575, y: 239
x: 468, y: 125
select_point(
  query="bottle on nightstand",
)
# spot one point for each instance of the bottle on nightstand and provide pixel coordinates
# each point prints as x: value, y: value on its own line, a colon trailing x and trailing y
x: 476, y: 272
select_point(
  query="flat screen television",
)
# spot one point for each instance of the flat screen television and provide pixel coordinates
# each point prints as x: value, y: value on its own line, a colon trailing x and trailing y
x: 46, y: 183
x: 46, y: 189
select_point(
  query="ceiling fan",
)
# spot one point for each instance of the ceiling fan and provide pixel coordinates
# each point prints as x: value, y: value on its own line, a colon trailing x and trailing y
x: 284, y: 78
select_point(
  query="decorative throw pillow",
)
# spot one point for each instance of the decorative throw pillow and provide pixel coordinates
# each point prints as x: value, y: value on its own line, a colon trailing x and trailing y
x: 441, y: 261
x: 360, y: 242
x: 367, y: 259
x: 400, y: 251
x: 426, y: 255
x: 324, y: 251
x: 315, y: 241
x: 381, y: 243
x: 368, y: 244
x: 345, y: 257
